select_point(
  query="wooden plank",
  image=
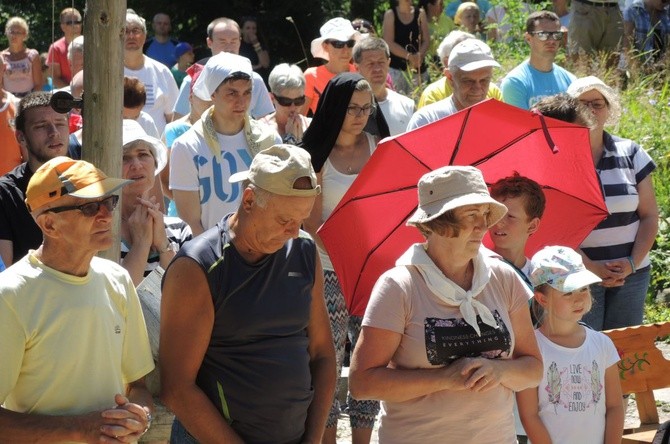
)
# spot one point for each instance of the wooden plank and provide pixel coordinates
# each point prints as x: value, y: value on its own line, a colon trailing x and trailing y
x: 103, y: 93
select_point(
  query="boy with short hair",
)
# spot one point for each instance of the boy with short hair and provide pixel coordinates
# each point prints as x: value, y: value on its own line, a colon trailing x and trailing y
x: 525, y: 203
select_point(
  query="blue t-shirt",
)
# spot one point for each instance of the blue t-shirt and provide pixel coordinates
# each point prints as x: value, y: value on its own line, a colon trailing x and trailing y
x: 162, y: 52
x: 524, y: 86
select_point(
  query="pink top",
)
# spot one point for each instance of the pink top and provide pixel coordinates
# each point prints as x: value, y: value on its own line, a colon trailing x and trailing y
x: 18, y: 78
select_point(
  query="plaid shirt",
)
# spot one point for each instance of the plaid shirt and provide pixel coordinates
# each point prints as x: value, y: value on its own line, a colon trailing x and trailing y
x: 644, y: 32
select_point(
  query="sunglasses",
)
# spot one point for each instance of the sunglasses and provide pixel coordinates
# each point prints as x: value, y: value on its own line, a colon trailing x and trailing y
x: 287, y: 101
x: 546, y: 35
x: 72, y: 22
x: 339, y: 44
x: 90, y: 209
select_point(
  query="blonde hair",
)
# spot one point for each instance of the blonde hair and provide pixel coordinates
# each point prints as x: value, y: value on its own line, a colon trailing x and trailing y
x: 18, y: 21
x: 461, y: 10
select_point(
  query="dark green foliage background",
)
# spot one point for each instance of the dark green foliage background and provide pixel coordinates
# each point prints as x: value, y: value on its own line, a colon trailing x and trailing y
x: 190, y: 18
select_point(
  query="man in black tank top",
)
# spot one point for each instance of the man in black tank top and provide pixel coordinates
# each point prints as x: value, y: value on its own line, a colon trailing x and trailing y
x: 246, y: 350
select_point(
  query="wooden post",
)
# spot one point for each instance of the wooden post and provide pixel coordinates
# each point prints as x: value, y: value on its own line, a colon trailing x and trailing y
x: 103, y: 92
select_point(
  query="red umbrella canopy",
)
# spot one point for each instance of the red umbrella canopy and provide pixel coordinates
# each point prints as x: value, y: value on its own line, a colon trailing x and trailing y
x: 366, y: 232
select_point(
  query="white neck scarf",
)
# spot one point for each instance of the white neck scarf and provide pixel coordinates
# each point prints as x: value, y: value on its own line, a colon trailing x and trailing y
x: 445, y: 289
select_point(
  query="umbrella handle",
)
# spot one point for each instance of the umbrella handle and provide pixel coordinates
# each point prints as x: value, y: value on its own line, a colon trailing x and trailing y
x: 545, y: 130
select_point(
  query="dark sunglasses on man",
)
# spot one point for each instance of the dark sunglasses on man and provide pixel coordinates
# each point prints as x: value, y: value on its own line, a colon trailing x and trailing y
x: 337, y: 44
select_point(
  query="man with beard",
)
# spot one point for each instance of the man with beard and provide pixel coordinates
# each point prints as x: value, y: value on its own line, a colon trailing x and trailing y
x: 43, y: 133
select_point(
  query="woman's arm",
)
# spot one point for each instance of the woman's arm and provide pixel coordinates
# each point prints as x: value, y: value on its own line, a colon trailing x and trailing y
x: 614, y: 411
x: 424, y: 41
x: 528, y: 403
x: 38, y: 81
x: 370, y: 376
x: 313, y: 222
x: 647, y: 210
x: 139, y: 226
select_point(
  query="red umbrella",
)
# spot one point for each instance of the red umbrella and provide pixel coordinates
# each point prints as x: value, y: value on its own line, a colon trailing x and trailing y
x: 366, y: 232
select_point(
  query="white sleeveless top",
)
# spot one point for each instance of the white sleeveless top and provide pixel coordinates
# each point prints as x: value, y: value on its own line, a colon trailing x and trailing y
x: 334, y: 185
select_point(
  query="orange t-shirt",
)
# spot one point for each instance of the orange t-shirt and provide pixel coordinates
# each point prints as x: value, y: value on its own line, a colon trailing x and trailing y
x: 10, y: 152
x: 316, y: 80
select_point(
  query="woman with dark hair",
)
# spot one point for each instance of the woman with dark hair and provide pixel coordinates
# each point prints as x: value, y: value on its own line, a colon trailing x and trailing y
x: 340, y: 147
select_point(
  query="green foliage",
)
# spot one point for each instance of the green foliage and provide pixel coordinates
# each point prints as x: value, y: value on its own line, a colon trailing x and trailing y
x: 656, y: 313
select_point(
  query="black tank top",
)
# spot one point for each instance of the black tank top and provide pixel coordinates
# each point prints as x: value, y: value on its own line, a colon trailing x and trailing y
x: 256, y: 367
x: 406, y: 36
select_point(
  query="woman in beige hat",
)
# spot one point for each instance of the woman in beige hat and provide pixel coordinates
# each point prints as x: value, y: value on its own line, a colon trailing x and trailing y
x: 617, y: 250
x: 447, y: 337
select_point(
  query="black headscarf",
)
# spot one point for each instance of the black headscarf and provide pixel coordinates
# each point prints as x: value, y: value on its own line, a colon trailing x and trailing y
x: 321, y: 135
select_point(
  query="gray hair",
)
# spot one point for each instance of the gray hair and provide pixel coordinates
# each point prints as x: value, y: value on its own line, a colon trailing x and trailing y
x: 370, y: 43
x: 262, y: 196
x: 285, y: 76
x: 76, y: 45
x: 452, y: 39
x: 133, y: 18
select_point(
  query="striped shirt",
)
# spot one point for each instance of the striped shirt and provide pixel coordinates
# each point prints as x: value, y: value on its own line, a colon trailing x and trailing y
x: 623, y: 166
x: 177, y: 231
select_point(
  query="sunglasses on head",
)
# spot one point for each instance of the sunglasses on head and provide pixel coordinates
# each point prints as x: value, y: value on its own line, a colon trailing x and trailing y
x: 287, y: 101
x: 546, y: 35
x: 339, y: 44
x: 362, y: 26
x: 89, y: 209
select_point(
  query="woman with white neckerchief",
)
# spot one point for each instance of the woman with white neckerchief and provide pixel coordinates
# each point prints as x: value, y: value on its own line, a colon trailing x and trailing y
x: 447, y: 337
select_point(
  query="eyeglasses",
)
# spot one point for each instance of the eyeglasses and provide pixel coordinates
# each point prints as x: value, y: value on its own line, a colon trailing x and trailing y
x: 90, y: 209
x: 134, y: 31
x: 546, y: 35
x: 594, y: 104
x: 358, y: 111
x: 72, y: 22
x: 287, y: 101
x: 337, y: 44
x: 13, y: 32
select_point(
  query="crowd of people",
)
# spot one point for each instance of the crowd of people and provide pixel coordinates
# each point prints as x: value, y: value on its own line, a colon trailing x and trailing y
x: 225, y: 183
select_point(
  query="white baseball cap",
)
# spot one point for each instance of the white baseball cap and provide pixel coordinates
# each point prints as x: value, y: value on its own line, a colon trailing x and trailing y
x: 471, y: 54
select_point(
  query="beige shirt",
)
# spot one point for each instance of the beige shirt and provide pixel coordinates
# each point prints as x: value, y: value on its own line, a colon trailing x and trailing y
x: 401, y: 302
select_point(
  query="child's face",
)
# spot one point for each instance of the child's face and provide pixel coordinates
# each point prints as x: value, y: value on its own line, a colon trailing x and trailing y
x: 470, y: 18
x: 513, y: 230
x: 561, y: 306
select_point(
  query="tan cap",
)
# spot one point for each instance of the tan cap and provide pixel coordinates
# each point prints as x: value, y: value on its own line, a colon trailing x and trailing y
x: 451, y: 187
x: 277, y: 168
x: 63, y: 176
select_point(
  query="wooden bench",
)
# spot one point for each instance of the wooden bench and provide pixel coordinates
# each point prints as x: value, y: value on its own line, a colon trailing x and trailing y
x: 642, y: 370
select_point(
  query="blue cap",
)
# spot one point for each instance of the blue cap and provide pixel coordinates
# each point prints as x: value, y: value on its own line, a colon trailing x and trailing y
x: 181, y: 49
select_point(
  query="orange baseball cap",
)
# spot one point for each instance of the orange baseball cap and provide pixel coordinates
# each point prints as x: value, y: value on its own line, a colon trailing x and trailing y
x: 63, y: 176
